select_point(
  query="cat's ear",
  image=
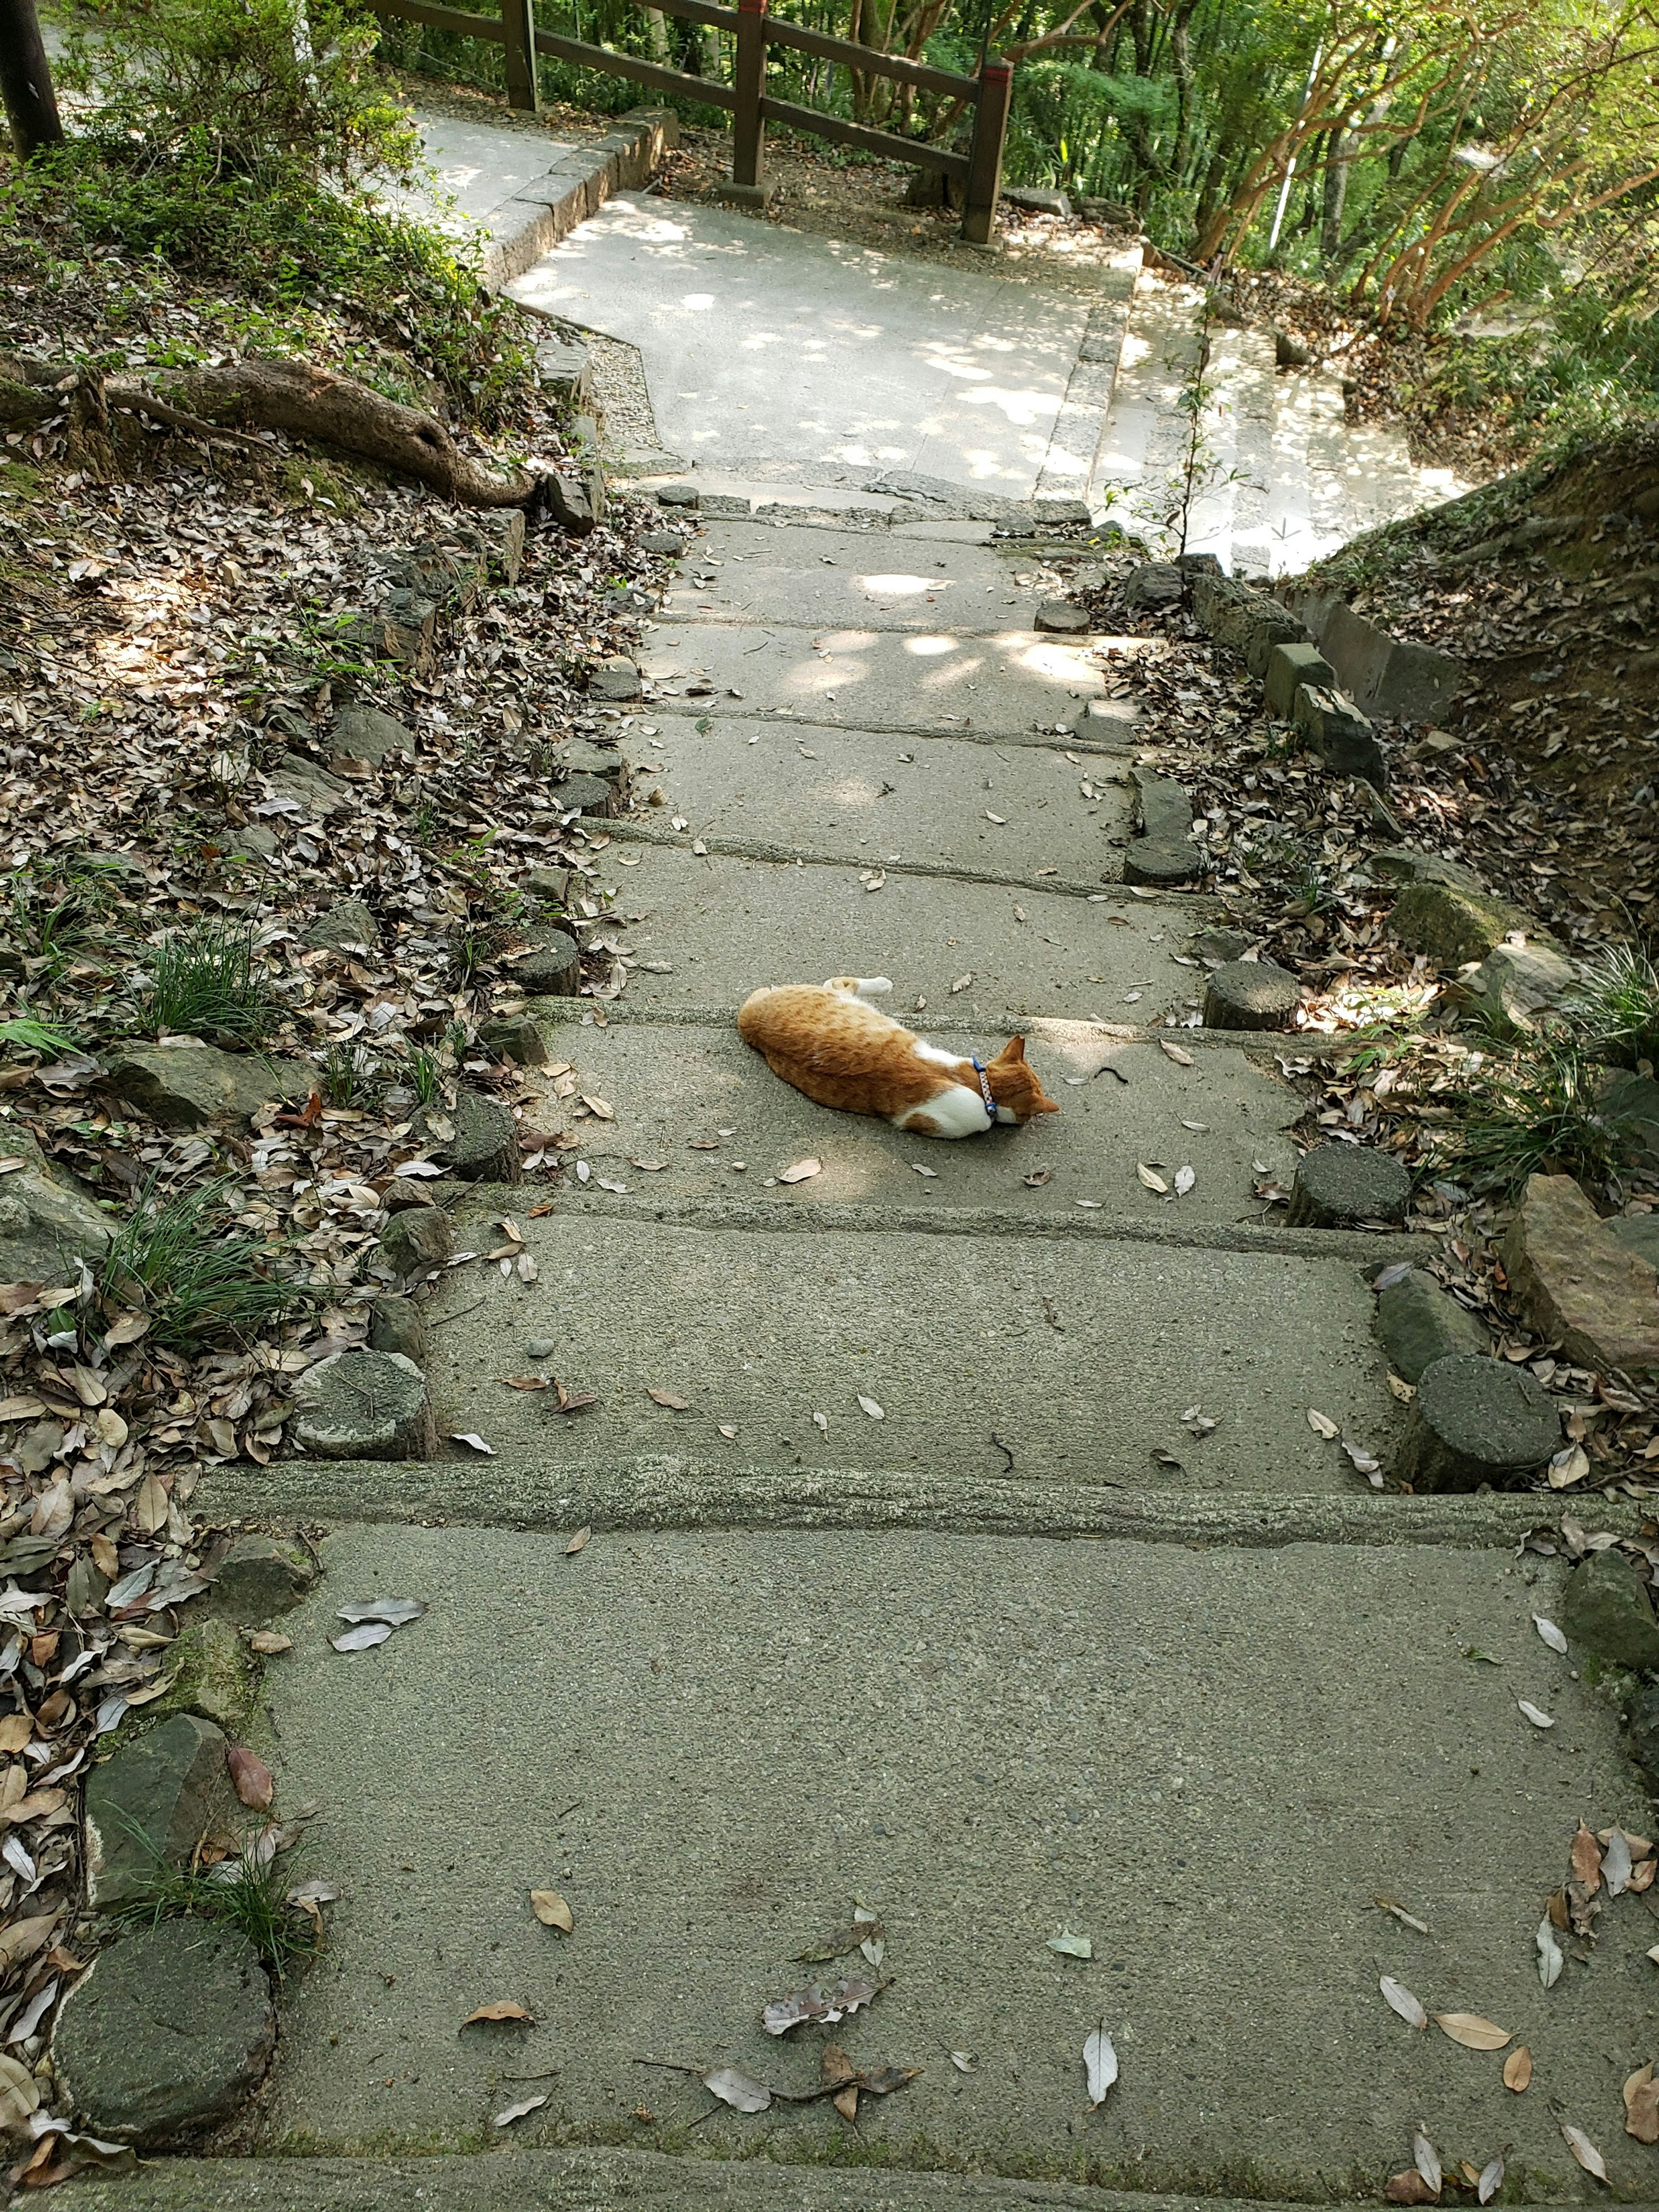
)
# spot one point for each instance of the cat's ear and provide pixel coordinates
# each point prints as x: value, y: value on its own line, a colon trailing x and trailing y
x: 1014, y: 1049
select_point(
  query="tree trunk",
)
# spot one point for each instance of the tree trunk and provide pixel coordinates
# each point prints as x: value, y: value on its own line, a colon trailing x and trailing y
x: 1336, y: 195
x: 26, y: 81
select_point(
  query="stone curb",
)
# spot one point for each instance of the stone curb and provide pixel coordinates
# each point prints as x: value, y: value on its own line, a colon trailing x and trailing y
x: 532, y: 219
x: 787, y: 1213
x: 645, y: 1494
x: 588, y: 2181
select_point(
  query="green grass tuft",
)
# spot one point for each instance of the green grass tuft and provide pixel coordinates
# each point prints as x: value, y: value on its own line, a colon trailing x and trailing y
x: 205, y: 981
x: 195, y: 1278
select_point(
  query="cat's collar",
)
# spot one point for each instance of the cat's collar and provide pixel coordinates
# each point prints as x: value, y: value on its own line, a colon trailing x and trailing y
x: 985, y: 1088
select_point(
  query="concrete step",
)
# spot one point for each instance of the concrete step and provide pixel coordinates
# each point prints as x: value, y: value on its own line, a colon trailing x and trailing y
x: 1121, y: 1101
x: 1081, y: 1354
x: 1144, y: 432
x: 1233, y: 470
x: 1210, y: 1762
x: 859, y: 795
x: 748, y: 571
x: 1007, y: 684
x: 711, y: 928
x: 581, y: 2180
x: 1069, y: 464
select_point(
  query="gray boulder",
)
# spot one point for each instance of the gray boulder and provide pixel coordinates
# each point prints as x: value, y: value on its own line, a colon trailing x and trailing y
x: 515, y: 1037
x: 259, y: 1578
x: 1419, y: 1322
x: 616, y: 678
x: 364, y: 1405
x: 185, y: 1085
x: 1607, y: 1609
x: 1519, y: 985
x: 1342, y: 1186
x: 550, y: 884
x: 1638, y: 1233
x: 1410, y: 864
x: 482, y: 1143
x: 1289, y: 667
x: 170, y: 2033
x: 48, y: 1224
x: 1330, y: 724
x: 1061, y: 617
x: 347, y: 926
x: 552, y: 967
x: 150, y: 1803
x: 316, y: 793
x: 1155, y: 584
x: 363, y: 733
x: 1250, y: 994
x: 416, y: 1239
x: 1454, y: 926
x: 397, y: 1324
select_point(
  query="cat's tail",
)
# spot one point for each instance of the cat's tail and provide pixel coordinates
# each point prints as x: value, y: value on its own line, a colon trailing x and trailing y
x: 861, y: 986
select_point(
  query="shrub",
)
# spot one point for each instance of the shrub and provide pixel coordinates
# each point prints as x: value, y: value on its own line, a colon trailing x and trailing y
x: 264, y: 88
x: 1616, y: 1004
x: 1533, y: 1111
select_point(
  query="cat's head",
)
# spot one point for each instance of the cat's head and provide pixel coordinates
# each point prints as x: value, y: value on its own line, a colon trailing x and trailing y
x: 1014, y: 1084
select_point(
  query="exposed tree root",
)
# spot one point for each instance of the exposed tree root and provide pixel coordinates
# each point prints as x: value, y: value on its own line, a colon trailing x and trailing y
x: 269, y: 394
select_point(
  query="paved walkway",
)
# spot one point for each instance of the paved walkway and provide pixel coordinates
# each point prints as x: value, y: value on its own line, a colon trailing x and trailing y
x: 912, y: 1587
x: 918, y: 1583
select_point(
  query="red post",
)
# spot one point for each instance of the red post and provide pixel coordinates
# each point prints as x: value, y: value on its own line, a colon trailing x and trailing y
x: 979, y: 213
x: 519, y: 22
x: 749, y: 81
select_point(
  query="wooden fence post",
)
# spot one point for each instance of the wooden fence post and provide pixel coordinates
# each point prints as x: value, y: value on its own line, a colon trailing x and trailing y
x: 979, y: 214
x: 519, y: 22
x: 748, y: 124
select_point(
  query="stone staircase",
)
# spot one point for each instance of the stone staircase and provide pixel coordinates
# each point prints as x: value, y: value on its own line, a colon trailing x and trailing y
x: 1279, y: 477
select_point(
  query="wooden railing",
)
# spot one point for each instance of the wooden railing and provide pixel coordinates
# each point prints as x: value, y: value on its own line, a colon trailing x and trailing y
x: 978, y: 172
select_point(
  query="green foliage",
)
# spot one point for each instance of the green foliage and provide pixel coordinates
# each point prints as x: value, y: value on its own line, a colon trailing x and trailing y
x: 47, y: 1038
x: 1616, y: 1004
x: 249, y: 1893
x: 264, y: 90
x: 426, y: 1076
x: 196, y: 1277
x: 1533, y: 1110
x: 54, y: 908
x: 205, y: 981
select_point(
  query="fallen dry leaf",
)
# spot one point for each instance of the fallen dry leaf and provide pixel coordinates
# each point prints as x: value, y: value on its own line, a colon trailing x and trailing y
x: 1517, y: 2070
x: 550, y: 1909
x: 505, y: 2120
x: 1539, y: 1719
x: 1584, y: 2150
x: 1175, y: 1053
x: 1322, y: 1424
x: 740, y: 2091
x: 1550, y: 1957
x: 1396, y: 1994
x: 675, y: 1405
x: 1152, y: 1181
x: 1616, y: 1866
x: 1489, y: 2180
x: 502, y: 2009
x: 1408, y: 2188
x: 802, y: 1171
x: 578, y: 1543
x: 471, y: 1437
x: 1587, y: 1859
x: 838, y: 1945
x: 252, y: 1780
x: 816, y: 2003
x: 1099, y: 2064
x: 525, y: 1381
x: 1426, y: 2159
x: 1471, y: 2031
x: 1551, y: 1634
x: 1642, y: 2105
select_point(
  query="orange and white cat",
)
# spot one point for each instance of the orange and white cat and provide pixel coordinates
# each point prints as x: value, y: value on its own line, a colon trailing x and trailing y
x: 828, y: 1041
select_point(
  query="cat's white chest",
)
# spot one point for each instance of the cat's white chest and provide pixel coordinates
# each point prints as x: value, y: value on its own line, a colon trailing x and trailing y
x: 955, y: 1112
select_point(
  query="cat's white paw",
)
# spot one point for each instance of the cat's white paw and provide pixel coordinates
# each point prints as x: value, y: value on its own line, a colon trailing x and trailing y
x: 872, y: 986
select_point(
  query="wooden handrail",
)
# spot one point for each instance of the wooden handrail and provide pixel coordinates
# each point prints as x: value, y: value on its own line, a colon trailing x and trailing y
x: 753, y: 29
x: 874, y: 63
x: 707, y: 89
x: 441, y: 19
x: 887, y: 143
